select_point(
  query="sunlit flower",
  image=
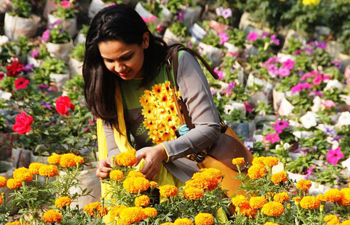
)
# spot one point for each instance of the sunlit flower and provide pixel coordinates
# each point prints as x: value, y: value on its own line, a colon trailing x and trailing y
x: 136, y: 184
x: 62, y: 202
x: 142, y: 201
x: 95, y: 209
x: 270, y: 161
x: 54, y: 159
x: 168, y: 191
x: 116, y: 175
x: 304, y: 184
x: 150, y: 212
x: 3, y: 181
x: 127, y: 158
x: 239, y: 201
x: 204, y: 219
x: 67, y: 160
x: 193, y: 193
x: 48, y: 171
x: 334, y: 155
x: 257, y: 202
x: 332, y: 195
x: 52, y: 216
x: 309, y: 202
x: 281, y: 197
x: 257, y: 171
x: 279, y: 177
x: 273, y: 209
x: 132, y: 215
x: 23, y: 174
x: 14, y: 183
x: 183, y: 221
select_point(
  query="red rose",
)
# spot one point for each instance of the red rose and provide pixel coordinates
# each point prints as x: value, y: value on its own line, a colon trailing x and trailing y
x: 14, y: 69
x: 21, y: 83
x: 63, y: 103
x: 23, y: 122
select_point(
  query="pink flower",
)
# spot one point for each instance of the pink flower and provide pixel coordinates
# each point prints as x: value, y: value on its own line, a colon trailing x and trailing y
x: 328, y: 104
x: 223, y: 38
x: 272, y: 138
x: 46, y: 35
x: 280, y: 125
x: 309, y: 75
x: 318, y: 80
x: 21, y: 83
x: 309, y: 171
x: 35, y: 53
x: 149, y: 19
x: 66, y: 4
x: 289, y: 64
x: 272, y: 69
x: 219, y: 73
x: 300, y: 87
x: 247, y: 107
x: 159, y: 28
x: 283, y: 72
x: 252, y: 36
x: 334, y: 155
x: 275, y: 40
x: 111, y: 4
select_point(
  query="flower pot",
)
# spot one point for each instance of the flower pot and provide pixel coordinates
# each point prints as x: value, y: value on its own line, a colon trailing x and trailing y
x: 243, y: 129
x: 214, y: 54
x: 80, y: 38
x: 60, y: 51
x: 232, y: 49
x: 34, y: 61
x: 218, y: 27
x: 321, y: 33
x: 16, y: 27
x: 317, y: 188
x: 259, y: 96
x: 345, y: 59
x: 50, y: 6
x: 247, y: 25
x: 143, y: 12
x: 69, y: 25
x: 21, y: 157
x: 6, y: 170
x: 59, y: 79
x: 197, y: 33
x: 191, y: 15
x: 285, y: 108
x: 170, y: 38
x: 277, y: 98
x: 295, y: 177
x: 295, y: 155
x: 267, y: 86
x: 95, y: 6
x: 264, y: 119
x: 294, y: 34
x: 75, y: 67
x: 5, y: 6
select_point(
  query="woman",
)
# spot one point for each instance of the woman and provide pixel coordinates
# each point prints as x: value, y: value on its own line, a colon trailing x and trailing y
x: 122, y: 60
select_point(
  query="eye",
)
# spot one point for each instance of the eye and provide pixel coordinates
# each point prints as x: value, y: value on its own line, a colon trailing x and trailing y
x: 125, y: 58
x: 109, y: 60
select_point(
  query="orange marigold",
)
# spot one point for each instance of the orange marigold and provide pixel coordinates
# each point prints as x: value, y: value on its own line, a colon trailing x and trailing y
x: 1, y: 199
x: 3, y: 181
x: 150, y: 212
x: 52, y: 216
x: 134, y: 173
x: 34, y: 167
x: 304, y: 184
x: 16, y: 223
x: 192, y: 193
x: 204, y: 219
x: 48, y: 171
x: 344, y: 197
x: 279, y: 177
x: 321, y: 198
x: 62, y: 202
x: 132, y: 215
x: 67, y: 160
x: 127, y: 158
x: 79, y: 159
x: 23, y: 174
x: 309, y: 202
x: 136, y: 184
x: 238, y: 161
x: 183, y: 221
x: 142, y: 201
x: 281, y: 197
x: 257, y: 171
x: 332, y: 220
x: 205, y: 180
x: 258, y: 160
x: 116, y: 210
x: 239, y: 201
x: 95, y: 209
x: 14, y: 183
x: 257, y: 202
x: 153, y: 184
x: 332, y: 195
x: 273, y: 209
x: 217, y: 174
x: 247, y: 211
x: 116, y: 175
x: 270, y: 161
x: 54, y: 159
x: 168, y: 191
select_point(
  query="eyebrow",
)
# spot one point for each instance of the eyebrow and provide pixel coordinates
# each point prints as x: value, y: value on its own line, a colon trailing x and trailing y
x: 123, y: 55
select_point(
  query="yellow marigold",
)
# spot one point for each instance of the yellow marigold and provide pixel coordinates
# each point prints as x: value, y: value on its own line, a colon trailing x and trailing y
x: 142, y: 201
x: 183, y: 221
x: 95, y: 209
x: 270, y: 223
x: 168, y: 191
x: 311, y: 2
x: 136, y: 184
x: 23, y: 174
x: 270, y: 161
x: 14, y: 183
x: 153, y: 184
x: 304, y: 184
x: 257, y: 202
x: 279, y: 177
x: 67, y: 160
x: 62, y: 202
x: 321, y: 198
x: 150, y: 212
x: 217, y: 174
x: 273, y: 209
x: 281, y: 197
x: 193, y: 193
x: 132, y: 215
x: 116, y: 175
x: 116, y: 210
x: 3, y: 181
x: 258, y: 160
x: 257, y: 171
x: 34, y: 167
x: 127, y: 158
x: 205, y: 180
x: 346, y: 222
x: 247, y: 210
x: 239, y: 201
x: 329, y: 218
x: 167, y: 223
x: 79, y: 159
x: 48, y: 171
x: 52, y: 216
x: 309, y: 202
x: 332, y: 195
x: 238, y: 161
x: 16, y: 223
x: 54, y: 159
x: 204, y: 219
x: 344, y: 197
x: 134, y: 173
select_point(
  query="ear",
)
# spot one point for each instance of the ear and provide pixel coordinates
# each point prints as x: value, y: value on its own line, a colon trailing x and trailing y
x: 145, y: 40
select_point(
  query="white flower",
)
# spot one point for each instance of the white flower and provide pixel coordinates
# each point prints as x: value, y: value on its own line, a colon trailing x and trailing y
x: 335, y: 144
x: 344, y: 119
x: 3, y: 40
x: 309, y: 120
x: 334, y: 85
x: 228, y: 109
x: 317, y: 104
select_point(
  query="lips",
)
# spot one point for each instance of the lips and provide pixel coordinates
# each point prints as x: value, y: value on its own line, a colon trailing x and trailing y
x: 124, y: 74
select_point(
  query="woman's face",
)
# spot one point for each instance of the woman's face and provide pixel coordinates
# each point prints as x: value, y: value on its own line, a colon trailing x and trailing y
x: 124, y: 60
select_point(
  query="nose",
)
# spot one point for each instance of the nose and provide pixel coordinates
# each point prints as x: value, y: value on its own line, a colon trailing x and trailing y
x: 119, y: 67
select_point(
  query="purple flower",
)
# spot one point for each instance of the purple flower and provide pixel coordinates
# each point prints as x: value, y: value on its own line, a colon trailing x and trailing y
x: 44, y: 104
x: 309, y: 171
x: 289, y: 64
x: 298, y: 52
x: 265, y: 34
x: 249, y: 143
x: 337, y: 138
x: 280, y: 125
x: 271, y: 60
x: 321, y: 45
x: 275, y: 40
x: 313, y: 43
x: 334, y: 155
x: 28, y: 68
x: 55, y: 23
x: 180, y: 16
x: 329, y: 130
x: 223, y: 38
x: 61, y: 31
x: 42, y: 87
x: 252, y: 36
x: 227, y: 13
x: 231, y: 85
x: 46, y: 35
x: 336, y: 63
x: 309, y: 51
x: 283, y: 72
x: 35, y: 52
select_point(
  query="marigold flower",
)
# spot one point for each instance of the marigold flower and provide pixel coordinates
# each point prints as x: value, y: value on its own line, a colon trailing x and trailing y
x: 205, y: 180
x: 14, y: 183
x: 132, y: 215
x: 48, y: 171
x: 79, y: 159
x: 270, y: 223
x: 346, y: 222
x: 54, y: 159
x: 142, y: 201
x: 309, y: 202
x: 34, y: 167
x: 273, y: 209
x: 67, y: 160
x: 16, y: 223
x: 116, y: 210
x: 167, y: 223
x: 304, y: 184
x: 258, y: 160
x: 239, y: 201
x: 52, y: 216
x: 62, y: 202
x: 329, y: 218
x: 247, y: 210
x: 116, y: 175
x: 217, y: 174
x: 153, y: 184
x: 204, y: 219
x: 3, y: 181
x: 344, y: 197
x: 279, y: 177
x: 136, y: 184
x: 238, y: 161
x: 150, y: 212
x: 281, y: 197
x: 257, y: 171
x: 332, y: 195
x: 95, y: 209
x: 1, y: 199
x: 168, y: 191
x: 134, y: 173
x: 192, y: 193
x: 23, y: 174
x: 183, y: 221
x: 270, y: 161
x: 257, y: 202
x: 321, y: 198
x: 127, y: 158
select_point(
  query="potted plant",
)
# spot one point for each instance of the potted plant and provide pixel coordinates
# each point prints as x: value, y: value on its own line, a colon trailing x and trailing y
x: 81, y: 37
x: 56, y: 70
x: 97, y: 5
x: 211, y: 47
x: 155, y: 9
x: 65, y: 13
x: 36, y: 55
x: 175, y: 33
x: 76, y: 59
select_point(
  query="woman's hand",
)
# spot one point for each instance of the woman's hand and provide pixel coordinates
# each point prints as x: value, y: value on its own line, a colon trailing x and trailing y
x: 154, y: 157
x: 103, y: 169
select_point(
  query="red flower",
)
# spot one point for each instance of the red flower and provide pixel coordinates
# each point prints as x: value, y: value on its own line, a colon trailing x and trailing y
x: 63, y: 103
x: 23, y: 122
x: 14, y: 69
x: 21, y: 83
x: 2, y: 75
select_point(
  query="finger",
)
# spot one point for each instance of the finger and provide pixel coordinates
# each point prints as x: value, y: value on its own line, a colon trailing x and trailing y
x: 140, y: 156
x: 102, y: 175
x: 146, y: 168
x: 106, y: 163
x: 105, y: 169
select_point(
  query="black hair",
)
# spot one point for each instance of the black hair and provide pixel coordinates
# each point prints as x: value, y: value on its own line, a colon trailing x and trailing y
x: 121, y: 23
